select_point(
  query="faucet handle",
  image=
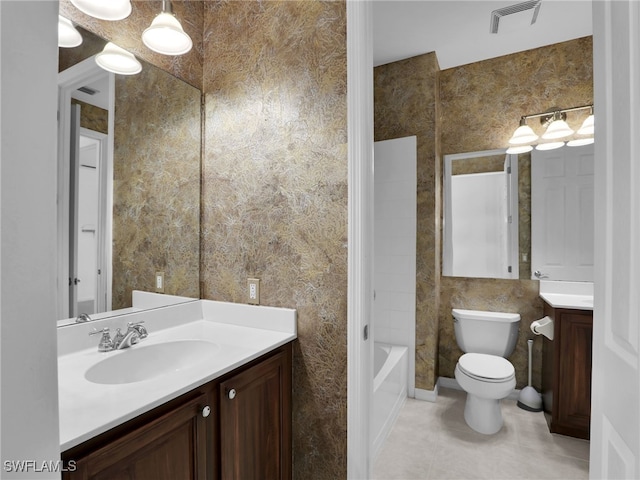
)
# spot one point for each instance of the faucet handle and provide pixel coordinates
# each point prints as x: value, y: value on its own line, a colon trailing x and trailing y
x: 106, y: 344
x: 137, y: 326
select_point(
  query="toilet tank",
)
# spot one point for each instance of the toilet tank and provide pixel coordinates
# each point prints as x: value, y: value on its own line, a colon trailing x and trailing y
x: 494, y: 333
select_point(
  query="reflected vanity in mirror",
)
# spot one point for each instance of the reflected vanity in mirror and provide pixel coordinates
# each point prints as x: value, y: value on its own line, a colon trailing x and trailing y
x: 525, y: 216
x: 128, y: 185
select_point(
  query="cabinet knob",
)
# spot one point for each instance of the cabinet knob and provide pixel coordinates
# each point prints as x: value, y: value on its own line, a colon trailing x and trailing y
x: 231, y: 394
x: 206, y: 411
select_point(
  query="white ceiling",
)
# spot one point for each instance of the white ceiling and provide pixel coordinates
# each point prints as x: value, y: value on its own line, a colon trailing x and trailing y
x: 459, y: 31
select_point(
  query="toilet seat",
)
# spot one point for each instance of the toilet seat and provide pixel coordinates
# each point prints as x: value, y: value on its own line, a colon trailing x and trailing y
x: 486, y: 368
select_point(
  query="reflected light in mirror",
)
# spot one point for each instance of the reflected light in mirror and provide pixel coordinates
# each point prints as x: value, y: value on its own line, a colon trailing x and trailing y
x: 549, y: 145
x: 117, y: 60
x: 519, y: 149
x: 579, y: 142
x: 104, y: 10
x: 68, y: 36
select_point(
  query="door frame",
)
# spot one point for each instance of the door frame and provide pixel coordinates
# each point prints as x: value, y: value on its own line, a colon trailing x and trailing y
x: 360, y: 107
x: 103, y: 232
x: 360, y: 237
x: 68, y: 81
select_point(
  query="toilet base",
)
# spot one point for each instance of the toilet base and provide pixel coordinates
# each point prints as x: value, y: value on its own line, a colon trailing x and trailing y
x: 483, y: 415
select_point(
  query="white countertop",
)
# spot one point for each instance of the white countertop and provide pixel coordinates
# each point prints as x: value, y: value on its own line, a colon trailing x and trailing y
x: 575, y: 295
x: 240, y: 332
x: 576, y: 302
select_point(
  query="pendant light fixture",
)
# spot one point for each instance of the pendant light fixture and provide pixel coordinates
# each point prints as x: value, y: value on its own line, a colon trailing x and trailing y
x: 117, y: 60
x: 558, y: 128
x: 588, y: 125
x: 104, y: 9
x: 523, y: 134
x: 68, y: 36
x: 166, y: 35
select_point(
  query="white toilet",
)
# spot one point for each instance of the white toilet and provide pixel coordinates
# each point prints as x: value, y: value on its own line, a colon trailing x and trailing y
x: 483, y: 371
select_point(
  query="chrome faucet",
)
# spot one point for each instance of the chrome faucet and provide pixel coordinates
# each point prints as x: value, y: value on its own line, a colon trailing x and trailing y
x: 135, y: 332
x: 83, y: 317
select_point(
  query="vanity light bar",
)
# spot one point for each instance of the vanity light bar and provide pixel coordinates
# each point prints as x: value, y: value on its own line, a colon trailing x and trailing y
x: 556, y: 129
x: 547, y: 117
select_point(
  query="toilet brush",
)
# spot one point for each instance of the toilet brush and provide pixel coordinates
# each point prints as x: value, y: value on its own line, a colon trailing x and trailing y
x: 529, y: 398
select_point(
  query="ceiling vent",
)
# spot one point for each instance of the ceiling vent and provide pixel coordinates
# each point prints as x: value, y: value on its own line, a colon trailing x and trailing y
x: 88, y: 90
x: 516, y: 16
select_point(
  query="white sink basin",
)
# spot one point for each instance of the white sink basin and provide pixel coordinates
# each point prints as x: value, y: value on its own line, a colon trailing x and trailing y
x: 144, y: 362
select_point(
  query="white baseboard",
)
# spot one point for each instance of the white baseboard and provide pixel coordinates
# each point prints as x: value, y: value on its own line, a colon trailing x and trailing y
x: 426, y: 395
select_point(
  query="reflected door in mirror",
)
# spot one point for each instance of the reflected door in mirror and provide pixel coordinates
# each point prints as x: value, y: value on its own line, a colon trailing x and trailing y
x: 562, y: 214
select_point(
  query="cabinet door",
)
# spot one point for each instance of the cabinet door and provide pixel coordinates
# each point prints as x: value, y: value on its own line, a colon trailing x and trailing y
x: 574, y: 373
x: 171, y: 447
x: 255, y: 421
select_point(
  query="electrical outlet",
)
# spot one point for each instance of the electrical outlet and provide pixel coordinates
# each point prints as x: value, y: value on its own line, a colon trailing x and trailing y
x: 253, y: 291
x: 159, y: 282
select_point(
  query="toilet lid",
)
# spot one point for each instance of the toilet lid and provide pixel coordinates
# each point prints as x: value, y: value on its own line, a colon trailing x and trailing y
x: 483, y: 366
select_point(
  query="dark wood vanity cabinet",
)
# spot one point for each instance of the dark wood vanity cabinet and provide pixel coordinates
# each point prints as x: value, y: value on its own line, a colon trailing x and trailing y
x: 255, y: 427
x: 566, y: 372
x: 209, y: 433
x: 172, y: 445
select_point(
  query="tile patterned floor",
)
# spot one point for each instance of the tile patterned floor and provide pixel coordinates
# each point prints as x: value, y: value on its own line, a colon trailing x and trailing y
x: 432, y: 441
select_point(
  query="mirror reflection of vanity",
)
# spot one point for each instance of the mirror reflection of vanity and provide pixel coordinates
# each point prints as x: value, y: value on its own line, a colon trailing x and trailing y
x: 141, y: 191
x: 526, y: 216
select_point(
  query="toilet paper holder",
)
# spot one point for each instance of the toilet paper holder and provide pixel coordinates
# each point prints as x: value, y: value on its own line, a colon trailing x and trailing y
x: 544, y: 326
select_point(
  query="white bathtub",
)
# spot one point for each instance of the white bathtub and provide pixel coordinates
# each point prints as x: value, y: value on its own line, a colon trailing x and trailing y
x: 390, y: 365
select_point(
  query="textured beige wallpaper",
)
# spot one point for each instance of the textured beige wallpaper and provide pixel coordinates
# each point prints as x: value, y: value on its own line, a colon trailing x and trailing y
x: 406, y: 94
x: 156, y: 185
x: 481, y: 106
x: 275, y: 194
x: 127, y: 33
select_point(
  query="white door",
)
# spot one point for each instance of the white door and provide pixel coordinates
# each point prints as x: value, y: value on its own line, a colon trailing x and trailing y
x: 615, y: 418
x: 562, y: 220
x: 74, y: 183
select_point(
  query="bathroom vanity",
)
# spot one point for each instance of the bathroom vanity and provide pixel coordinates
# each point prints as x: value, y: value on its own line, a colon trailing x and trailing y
x: 566, y: 367
x: 227, y: 415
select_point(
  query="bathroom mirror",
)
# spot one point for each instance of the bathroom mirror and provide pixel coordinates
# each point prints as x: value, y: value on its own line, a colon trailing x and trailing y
x: 130, y: 201
x: 526, y: 216
x: 487, y: 215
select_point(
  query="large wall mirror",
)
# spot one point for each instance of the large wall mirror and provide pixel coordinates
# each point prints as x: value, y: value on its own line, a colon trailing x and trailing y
x: 526, y: 216
x: 128, y: 185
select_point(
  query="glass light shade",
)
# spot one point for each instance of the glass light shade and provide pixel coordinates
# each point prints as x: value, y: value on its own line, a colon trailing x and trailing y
x: 579, y: 142
x: 68, y: 36
x: 520, y: 149
x: 523, y: 134
x: 557, y: 129
x: 587, y: 127
x: 118, y: 60
x: 549, y: 146
x: 166, y: 36
x: 104, y: 9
